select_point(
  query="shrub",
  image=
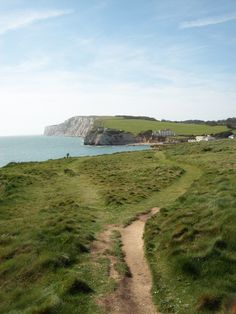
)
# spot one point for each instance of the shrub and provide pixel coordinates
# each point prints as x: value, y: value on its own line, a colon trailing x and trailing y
x: 209, y: 302
x: 188, y: 266
x: 78, y: 286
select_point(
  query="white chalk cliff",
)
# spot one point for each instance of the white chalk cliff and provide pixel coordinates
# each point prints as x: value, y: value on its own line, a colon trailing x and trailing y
x: 76, y: 126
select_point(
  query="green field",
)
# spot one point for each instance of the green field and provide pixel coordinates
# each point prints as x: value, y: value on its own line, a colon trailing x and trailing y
x: 191, y: 244
x: 50, y: 214
x: 136, y: 126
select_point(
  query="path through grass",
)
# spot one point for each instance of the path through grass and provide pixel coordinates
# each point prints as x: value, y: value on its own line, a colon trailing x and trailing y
x: 190, y: 244
x: 50, y: 214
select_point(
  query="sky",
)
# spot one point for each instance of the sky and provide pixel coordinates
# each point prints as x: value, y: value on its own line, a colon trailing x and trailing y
x: 172, y: 59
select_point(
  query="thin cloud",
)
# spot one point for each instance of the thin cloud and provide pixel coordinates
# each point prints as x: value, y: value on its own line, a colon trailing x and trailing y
x: 21, y: 19
x: 31, y: 65
x: 208, y: 21
x: 101, y: 5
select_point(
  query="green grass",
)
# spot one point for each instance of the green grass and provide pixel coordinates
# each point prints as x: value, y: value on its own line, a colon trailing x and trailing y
x: 50, y: 214
x: 116, y: 251
x: 136, y: 126
x: 191, y: 244
x: 125, y: 183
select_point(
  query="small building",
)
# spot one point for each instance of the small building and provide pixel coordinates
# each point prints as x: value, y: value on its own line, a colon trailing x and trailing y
x: 163, y: 133
x: 232, y: 137
x: 200, y: 138
x: 207, y: 138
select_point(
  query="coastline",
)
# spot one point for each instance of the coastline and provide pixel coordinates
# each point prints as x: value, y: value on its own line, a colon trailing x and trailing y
x: 42, y: 148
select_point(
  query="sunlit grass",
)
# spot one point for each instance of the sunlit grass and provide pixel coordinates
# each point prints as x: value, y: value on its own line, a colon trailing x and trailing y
x: 137, y: 126
x: 191, y: 244
x: 50, y: 214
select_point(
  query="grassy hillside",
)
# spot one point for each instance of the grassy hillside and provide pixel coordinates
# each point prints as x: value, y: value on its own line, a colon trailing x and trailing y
x: 50, y: 214
x: 191, y: 244
x: 137, y: 126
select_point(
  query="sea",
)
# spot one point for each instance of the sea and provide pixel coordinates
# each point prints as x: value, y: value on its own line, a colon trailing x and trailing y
x: 41, y: 148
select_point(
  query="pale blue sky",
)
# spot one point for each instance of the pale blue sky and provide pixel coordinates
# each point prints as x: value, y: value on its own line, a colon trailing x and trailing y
x: 172, y: 59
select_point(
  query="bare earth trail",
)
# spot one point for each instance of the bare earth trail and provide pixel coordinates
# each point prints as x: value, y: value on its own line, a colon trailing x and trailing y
x: 133, y: 294
x: 141, y: 282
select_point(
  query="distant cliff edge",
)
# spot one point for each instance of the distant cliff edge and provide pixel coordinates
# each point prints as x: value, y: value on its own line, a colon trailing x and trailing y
x: 76, y: 126
x: 104, y: 136
x: 94, y: 134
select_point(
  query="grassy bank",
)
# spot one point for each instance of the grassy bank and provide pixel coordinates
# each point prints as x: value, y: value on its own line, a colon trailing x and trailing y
x: 136, y: 126
x: 50, y: 214
x: 191, y: 243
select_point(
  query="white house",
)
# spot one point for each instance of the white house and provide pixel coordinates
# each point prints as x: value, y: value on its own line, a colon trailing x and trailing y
x: 164, y: 133
x: 200, y: 138
x: 207, y: 138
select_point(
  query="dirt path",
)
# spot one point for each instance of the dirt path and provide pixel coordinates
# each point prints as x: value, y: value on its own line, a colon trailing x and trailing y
x: 133, y: 294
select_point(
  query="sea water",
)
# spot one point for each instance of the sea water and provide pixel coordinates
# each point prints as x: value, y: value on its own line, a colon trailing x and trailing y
x: 40, y: 148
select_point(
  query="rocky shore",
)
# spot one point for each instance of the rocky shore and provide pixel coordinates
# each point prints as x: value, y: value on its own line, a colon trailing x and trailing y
x: 103, y: 137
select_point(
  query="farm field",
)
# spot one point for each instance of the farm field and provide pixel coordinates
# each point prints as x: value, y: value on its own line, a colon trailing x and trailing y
x: 136, y: 126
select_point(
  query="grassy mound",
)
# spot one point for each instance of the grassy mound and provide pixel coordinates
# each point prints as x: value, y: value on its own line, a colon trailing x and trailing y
x: 191, y: 245
x: 123, y: 183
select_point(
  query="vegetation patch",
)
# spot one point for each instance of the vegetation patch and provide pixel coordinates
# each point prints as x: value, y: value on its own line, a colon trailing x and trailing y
x: 122, y: 184
x: 210, y: 303
x: 50, y: 214
x: 120, y: 266
x: 78, y: 286
x: 137, y: 126
x: 191, y: 243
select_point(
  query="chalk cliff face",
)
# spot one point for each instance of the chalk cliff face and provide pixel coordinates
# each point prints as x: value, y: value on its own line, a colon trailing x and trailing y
x: 76, y: 126
x: 103, y: 136
x: 84, y: 126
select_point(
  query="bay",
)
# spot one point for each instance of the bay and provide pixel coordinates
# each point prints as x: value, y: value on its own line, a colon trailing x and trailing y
x: 41, y: 148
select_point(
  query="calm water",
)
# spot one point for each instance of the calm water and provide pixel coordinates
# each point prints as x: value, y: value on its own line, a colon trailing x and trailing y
x: 40, y: 148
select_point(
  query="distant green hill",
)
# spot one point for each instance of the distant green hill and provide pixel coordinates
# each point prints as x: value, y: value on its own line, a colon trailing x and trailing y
x: 136, y: 126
